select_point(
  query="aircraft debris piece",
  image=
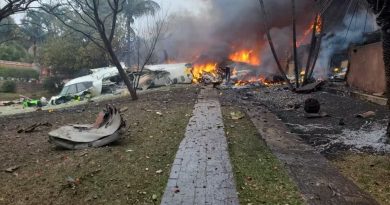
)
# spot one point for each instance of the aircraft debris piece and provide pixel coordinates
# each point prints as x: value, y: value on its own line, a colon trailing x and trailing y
x: 104, y: 131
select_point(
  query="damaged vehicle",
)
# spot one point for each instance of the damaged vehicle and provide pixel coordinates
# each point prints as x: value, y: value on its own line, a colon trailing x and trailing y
x: 90, y: 85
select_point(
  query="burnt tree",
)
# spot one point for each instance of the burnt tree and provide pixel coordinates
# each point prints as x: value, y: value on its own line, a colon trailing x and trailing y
x: 97, y: 20
x: 381, y: 8
x: 271, y: 44
x: 14, y: 6
x: 295, y: 51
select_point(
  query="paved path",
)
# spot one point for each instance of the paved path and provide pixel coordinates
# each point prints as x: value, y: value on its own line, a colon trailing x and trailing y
x: 202, y: 173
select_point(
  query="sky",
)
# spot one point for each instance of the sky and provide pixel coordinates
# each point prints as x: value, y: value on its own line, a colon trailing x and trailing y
x: 168, y: 6
x: 194, y: 6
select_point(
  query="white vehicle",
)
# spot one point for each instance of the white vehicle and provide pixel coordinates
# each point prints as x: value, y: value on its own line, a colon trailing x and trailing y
x: 92, y: 84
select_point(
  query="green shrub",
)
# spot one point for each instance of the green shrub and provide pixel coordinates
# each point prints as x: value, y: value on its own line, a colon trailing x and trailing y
x: 8, y: 87
x: 53, y: 84
x: 18, y: 73
x: 12, y: 52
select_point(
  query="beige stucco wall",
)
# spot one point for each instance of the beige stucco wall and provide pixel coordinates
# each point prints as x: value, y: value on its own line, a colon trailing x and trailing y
x: 367, y: 69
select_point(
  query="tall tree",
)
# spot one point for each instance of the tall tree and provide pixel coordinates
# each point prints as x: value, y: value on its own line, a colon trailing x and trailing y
x: 96, y: 20
x: 9, y: 7
x: 9, y: 31
x: 70, y: 54
x: 132, y: 10
x: 34, y: 26
x: 381, y: 8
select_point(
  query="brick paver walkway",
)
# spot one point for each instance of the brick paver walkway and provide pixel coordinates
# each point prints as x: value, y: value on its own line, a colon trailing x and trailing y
x: 202, y: 173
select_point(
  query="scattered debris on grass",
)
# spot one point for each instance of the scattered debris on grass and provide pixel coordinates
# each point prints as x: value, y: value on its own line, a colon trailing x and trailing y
x: 122, y: 175
x: 369, y: 171
x: 237, y: 115
x: 12, y: 169
x: 249, y: 154
x: 34, y: 126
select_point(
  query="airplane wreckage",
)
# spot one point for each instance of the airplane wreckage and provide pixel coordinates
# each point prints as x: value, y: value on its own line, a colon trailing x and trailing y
x: 105, y: 130
x: 106, y: 80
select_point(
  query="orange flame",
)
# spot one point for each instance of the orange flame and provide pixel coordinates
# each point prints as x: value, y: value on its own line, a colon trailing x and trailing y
x: 246, y: 56
x: 260, y: 79
x: 199, y: 70
x: 309, y: 30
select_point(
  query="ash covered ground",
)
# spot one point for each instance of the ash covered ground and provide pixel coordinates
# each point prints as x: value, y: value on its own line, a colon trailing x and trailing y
x: 341, y: 131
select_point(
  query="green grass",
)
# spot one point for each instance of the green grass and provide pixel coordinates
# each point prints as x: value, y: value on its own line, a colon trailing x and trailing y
x: 8, y: 96
x: 15, y: 96
x: 370, y: 172
x: 260, y: 177
x: 125, y: 173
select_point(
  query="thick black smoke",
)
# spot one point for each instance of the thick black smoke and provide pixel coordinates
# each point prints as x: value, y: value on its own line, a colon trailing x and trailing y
x: 228, y: 25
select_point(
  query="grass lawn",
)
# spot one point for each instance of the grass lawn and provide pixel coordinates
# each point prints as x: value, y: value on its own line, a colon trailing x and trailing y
x: 15, y: 96
x: 9, y: 96
x: 133, y: 171
x: 260, y: 177
x: 370, y: 172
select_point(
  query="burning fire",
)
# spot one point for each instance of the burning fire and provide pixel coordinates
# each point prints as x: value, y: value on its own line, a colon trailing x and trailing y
x: 309, y: 30
x: 200, y: 69
x: 246, y: 56
x: 252, y: 80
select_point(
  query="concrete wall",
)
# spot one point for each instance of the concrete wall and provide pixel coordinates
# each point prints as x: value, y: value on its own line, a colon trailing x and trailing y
x: 367, y: 69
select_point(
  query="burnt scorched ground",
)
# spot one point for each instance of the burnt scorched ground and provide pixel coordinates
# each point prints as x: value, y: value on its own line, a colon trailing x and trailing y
x: 341, y: 131
x: 132, y: 171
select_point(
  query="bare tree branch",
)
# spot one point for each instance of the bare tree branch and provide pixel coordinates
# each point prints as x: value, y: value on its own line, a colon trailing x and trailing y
x: 93, y: 18
x: 14, y: 6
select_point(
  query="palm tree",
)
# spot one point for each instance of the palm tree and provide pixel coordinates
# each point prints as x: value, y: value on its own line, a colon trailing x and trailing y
x: 132, y: 10
x: 381, y: 8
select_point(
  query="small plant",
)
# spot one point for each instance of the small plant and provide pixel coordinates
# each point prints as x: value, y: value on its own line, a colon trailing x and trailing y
x: 8, y: 87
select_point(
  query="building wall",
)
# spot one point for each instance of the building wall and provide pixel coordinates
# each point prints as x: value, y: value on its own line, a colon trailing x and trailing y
x: 367, y: 69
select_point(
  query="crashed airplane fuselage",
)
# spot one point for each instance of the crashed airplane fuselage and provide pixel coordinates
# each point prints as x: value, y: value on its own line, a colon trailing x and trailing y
x: 165, y: 74
x: 90, y: 84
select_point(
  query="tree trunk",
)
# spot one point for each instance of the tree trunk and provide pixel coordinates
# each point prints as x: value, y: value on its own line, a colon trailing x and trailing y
x: 35, y: 51
x: 386, y: 58
x: 295, y: 51
x: 271, y: 44
x: 128, y: 31
x: 312, y: 49
x: 118, y: 65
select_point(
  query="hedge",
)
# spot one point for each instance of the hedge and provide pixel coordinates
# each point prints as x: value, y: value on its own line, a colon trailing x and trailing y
x: 18, y: 73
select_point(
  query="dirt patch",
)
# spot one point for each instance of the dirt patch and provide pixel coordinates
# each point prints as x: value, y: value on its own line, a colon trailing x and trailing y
x: 260, y: 177
x: 129, y: 172
x: 327, y: 135
x: 318, y: 181
x: 369, y: 172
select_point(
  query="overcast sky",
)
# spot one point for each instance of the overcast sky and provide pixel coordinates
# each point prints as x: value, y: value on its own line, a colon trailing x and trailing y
x: 170, y: 6
x: 194, y: 6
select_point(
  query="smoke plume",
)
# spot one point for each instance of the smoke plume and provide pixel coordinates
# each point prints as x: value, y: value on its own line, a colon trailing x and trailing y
x: 230, y: 25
